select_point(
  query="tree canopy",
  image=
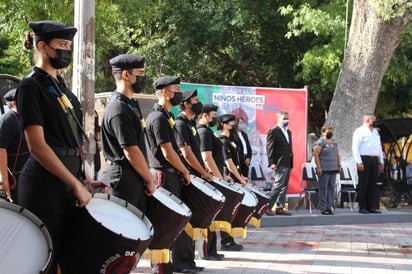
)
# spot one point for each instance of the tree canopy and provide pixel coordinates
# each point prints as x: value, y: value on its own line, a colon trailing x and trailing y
x: 253, y: 43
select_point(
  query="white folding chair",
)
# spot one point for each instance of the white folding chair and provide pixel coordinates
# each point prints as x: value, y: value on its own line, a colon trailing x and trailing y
x: 347, y: 184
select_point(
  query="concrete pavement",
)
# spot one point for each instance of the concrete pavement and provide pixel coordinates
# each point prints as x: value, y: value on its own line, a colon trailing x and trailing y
x: 360, y: 247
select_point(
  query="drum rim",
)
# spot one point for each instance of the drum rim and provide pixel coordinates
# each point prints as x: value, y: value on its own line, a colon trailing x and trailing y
x: 38, y: 223
x: 129, y: 206
x: 244, y: 188
x: 210, y: 186
x: 173, y: 197
x: 258, y: 191
x: 227, y: 185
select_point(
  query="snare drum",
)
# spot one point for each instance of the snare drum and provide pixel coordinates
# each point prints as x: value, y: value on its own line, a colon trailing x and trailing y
x: 246, y: 210
x: 205, y: 201
x: 168, y: 215
x: 23, y: 236
x: 263, y: 202
x: 109, y: 236
x: 234, y: 196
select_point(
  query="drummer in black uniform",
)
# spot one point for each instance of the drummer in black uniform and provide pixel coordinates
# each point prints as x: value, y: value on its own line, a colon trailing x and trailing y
x: 232, y: 164
x: 51, y: 179
x: 126, y: 168
x: 212, y: 155
x: 189, y: 144
x: 166, y: 167
x: 13, y: 148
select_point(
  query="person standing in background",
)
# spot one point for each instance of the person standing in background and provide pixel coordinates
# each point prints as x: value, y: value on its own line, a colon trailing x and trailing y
x: 13, y: 148
x: 326, y: 154
x: 368, y: 155
x: 240, y: 137
x: 280, y: 159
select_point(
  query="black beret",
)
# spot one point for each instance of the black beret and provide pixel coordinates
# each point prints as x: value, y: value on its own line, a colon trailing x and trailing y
x: 189, y: 93
x: 164, y: 81
x: 10, y: 95
x: 46, y: 30
x: 127, y: 61
x: 207, y: 108
x: 226, y: 118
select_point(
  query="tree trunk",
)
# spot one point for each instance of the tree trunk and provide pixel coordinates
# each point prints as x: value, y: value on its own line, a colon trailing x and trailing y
x: 370, y: 47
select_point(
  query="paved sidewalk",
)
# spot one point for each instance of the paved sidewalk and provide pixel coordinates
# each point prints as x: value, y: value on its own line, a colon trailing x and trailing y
x: 360, y: 248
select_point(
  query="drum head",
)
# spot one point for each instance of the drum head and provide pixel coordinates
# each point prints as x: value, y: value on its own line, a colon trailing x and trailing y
x: 171, y: 202
x: 250, y: 198
x: 227, y: 185
x: 258, y: 192
x: 207, y: 188
x: 23, y: 237
x: 114, y: 215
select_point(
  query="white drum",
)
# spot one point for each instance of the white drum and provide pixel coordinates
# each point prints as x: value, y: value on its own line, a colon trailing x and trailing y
x: 25, y: 243
x: 246, y: 209
x: 109, y: 235
x: 168, y: 215
x: 204, y: 200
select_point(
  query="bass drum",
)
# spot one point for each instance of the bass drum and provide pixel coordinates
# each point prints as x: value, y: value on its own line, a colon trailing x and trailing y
x: 109, y: 236
x: 246, y: 210
x: 234, y: 196
x: 23, y: 236
x: 263, y: 203
x: 205, y: 202
x: 168, y: 215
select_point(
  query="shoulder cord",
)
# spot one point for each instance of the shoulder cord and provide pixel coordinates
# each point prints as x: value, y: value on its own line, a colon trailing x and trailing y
x: 139, y: 115
x: 68, y: 109
x: 65, y: 104
x: 229, y: 141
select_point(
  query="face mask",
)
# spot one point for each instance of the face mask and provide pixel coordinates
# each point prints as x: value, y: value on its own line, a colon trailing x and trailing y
x: 177, y: 99
x: 197, y: 108
x: 62, y: 60
x: 285, y: 123
x: 213, y: 122
x: 374, y: 124
x: 329, y: 135
x: 138, y: 86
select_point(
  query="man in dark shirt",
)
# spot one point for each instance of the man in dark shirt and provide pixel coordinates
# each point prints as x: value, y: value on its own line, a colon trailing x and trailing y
x: 126, y: 168
x: 13, y: 148
x: 164, y: 161
x: 280, y: 159
x: 189, y: 145
x: 212, y: 155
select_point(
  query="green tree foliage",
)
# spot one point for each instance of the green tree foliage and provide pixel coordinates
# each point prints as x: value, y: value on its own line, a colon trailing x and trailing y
x: 288, y: 43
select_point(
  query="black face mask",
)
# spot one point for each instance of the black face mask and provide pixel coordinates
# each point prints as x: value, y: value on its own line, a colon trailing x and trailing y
x: 329, y: 135
x: 62, y: 60
x: 374, y: 124
x: 197, y: 108
x: 177, y: 99
x: 140, y: 83
x: 213, y: 122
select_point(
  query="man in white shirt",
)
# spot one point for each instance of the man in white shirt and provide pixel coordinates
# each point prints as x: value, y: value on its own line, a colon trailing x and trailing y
x: 367, y: 152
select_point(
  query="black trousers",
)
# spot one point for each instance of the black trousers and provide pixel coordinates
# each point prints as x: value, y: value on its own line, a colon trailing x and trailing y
x: 125, y: 183
x: 210, y: 246
x: 368, y: 191
x: 50, y: 200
